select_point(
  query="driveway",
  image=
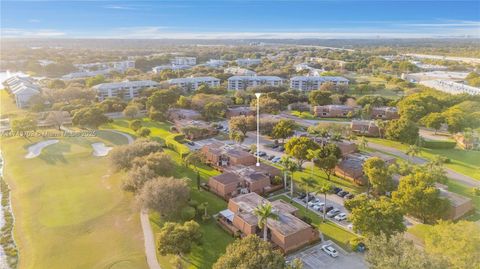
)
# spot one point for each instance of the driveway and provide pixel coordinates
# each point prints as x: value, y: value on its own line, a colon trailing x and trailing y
x: 315, y: 258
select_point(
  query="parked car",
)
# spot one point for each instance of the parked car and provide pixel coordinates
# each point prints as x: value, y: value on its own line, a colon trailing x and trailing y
x: 276, y: 159
x: 330, y: 251
x: 313, y: 202
x: 191, y: 143
x: 302, y: 195
x: 281, y: 148
x: 310, y: 198
x: 342, y: 193
x: 332, y: 213
x: 337, y: 190
x: 340, y: 217
x: 349, y: 196
x: 271, y: 157
x: 329, y: 208
x: 262, y: 153
x: 319, y: 206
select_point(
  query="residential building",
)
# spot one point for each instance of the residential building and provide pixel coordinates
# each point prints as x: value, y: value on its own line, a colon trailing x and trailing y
x: 120, y: 66
x: 220, y: 155
x: 173, y: 67
x: 459, y: 205
x: 451, y: 87
x: 126, y: 89
x: 334, y: 111
x: 239, y: 111
x: 184, y: 61
x: 195, y: 129
x: 365, y: 127
x: 23, y: 89
x: 215, y: 63
x: 248, y: 61
x: 192, y: 84
x: 351, y: 165
x: 174, y: 114
x: 346, y: 147
x: 87, y: 74
x: 385, y: 113
x: 309, y: 83
x: 288, y: 232
x: 244, y: 82
x: 238, y: 71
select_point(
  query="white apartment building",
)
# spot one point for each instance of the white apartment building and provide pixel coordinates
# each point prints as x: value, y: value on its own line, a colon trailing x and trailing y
x: 87, y: 74
x: 173, y: 67
x: 244, y: 82
x: 119, y: 66
x: 309, y: 83
x: 451, y: 87
x: 215, y: 63
x: 183, y: 61
x: 192, y: 84
x: 127, y: 89
x: 238, y: 71
x: 23, y: 89
x: 248, y: 61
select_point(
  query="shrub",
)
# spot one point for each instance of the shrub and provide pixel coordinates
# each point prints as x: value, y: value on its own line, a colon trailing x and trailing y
x: 188, y: 213
x: 172, y: 142
x: 439, y: 144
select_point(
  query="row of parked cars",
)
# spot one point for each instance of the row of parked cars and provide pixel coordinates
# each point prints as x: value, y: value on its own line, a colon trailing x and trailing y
x: 331, y: 212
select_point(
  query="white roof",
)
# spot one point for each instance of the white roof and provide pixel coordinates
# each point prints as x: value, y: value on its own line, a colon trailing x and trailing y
x: 115, y: 85
x: 255, y: 78
x: 319, y: 78
x: 228, y: 214
x: 192, y: 80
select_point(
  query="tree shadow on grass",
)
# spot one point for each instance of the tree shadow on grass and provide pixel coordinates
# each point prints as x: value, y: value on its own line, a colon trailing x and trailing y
x: 55, y: 153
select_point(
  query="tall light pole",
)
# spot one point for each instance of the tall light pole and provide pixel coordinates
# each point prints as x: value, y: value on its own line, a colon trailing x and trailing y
x: 258, y: 126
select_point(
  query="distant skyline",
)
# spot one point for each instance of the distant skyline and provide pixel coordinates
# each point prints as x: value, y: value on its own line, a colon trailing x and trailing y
x: 240, y: 19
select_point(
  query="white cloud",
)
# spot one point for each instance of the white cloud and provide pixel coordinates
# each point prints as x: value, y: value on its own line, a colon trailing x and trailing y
x: 45, y: 33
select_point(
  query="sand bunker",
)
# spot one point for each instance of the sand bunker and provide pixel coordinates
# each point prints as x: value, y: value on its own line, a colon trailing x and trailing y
x: 35, y: 150
x: 99, y: 149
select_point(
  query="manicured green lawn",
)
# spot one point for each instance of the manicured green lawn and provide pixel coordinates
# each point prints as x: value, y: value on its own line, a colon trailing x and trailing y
x: 159, y: 130
x: 69, y: 207
x: 310, y: 116
x: 466, y: 162
x: 8, y: 109
x: 329, y: 229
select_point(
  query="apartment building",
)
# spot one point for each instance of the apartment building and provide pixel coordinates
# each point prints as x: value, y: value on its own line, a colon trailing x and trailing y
x: 288, y: 232
x: 334, y: 111
x: 173, y: 67
x: 215, y: 63
x: 220, y: 155
x: 365, y: 127
x: 385, y: 113
x: 351, y: 165
x: 248, y: 61
x: 184, y: 61
x: 239, y: 111
x: 238, y: 71
x: 309, y: 83
x: 451, y: 87
x: 192, y: 84
x: 244, y: 82
x: 23, y: 89
x: 126, y: 89
x: 119, y: 66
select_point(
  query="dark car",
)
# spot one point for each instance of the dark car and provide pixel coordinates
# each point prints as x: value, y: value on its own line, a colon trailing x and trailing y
x: 191, y: 143
x: 328, y: 208
x: 281, y: 148
x: 337, y: 190
x: 342, y: 193
x: 349, y: 196
x: 310, y: 198
x: 271, y: 157
x: 302, y: 195
x: 262, y: 153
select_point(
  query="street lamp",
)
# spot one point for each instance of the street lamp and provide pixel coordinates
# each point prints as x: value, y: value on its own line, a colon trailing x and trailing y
x: 258, y: 126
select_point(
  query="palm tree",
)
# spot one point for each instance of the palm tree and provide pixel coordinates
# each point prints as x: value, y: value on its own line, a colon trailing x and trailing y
x: 307, y: 184
x: 362, y: 143
x: 264, y: 212
x: 381, y: 124
x: 291, y: 166
x: 325, y: 189
x: 412, y: 151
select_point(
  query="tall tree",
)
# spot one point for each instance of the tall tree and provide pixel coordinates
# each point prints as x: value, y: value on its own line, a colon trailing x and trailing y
x: 326, y: 158
x: 375, y: 217
x: 297, y: 147
x: 265, y: 212
x: 290, y: 166
x: 178, y: 239
x: 283, y: 129
x: 325, y: 189
x: 413, y: 151
x: 239, y: 254
x: 378, y: 175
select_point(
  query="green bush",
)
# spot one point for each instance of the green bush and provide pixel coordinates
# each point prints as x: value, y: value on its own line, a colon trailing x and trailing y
x: 439, y: 144
x: 174, y: 142
x: 188, y: 213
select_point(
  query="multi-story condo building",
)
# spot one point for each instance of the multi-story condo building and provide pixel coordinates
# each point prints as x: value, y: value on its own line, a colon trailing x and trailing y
x: 308, y: 83
x: 238, y: 71
x: 120, y: 66
x: 248, y: 61
x: 184, y: 61
x: 192, y: 84
x: 126, y: 89
x: 215, y: 63
x: 23, y: 89
x: 173, y: 67
x: 244, y: 82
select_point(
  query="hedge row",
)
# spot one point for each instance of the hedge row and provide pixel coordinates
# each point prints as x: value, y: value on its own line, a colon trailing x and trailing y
x: 174, y: 142
x: 439, y: 144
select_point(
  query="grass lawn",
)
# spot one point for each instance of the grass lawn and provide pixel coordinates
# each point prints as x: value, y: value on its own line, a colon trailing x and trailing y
x: 309, y: 116
x: 215, y: 239
x: 462, y: 161
x: 69, y: 207
x: 329, y: 229
x: 8, y: 108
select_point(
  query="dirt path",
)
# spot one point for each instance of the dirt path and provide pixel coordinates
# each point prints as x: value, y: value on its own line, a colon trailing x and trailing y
x: 148, y: 236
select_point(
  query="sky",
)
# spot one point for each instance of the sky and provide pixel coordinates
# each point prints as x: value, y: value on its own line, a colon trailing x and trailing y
x: 240, y: 19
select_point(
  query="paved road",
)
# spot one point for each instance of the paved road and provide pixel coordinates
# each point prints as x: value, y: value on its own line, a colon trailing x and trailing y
x: 469, y: 181
x: 148, y: 237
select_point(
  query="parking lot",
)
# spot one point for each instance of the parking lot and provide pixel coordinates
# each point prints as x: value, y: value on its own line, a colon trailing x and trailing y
x: 315, y: 258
